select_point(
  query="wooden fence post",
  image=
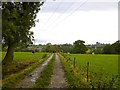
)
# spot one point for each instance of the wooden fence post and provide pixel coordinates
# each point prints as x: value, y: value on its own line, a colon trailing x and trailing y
x: 74, y: 62
x: 87, y: 71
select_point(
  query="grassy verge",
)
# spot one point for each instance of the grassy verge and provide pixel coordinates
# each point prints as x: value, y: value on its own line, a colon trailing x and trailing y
x: 44, y: 80
x: 74, y: 78
x: 13, y: 79
x: 77, y: 77
x: 15, y: 67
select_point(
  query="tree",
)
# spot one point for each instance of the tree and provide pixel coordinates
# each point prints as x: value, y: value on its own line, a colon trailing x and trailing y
x: 51, y: 48
x: 112, y: 48
x: 66, y: 48
x: 79, y: 47
x: 107, y: 49
x: 115, y: 47
x: 48, y: 47
x: 98, y: 50
x: 17, y: 19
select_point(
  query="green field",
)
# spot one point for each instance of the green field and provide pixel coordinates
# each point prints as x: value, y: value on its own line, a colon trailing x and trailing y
x: 25, y: 55
x: 101, y: 67
x: 98, y: 63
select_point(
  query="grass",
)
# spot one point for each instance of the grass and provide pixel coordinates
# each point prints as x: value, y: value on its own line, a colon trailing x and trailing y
x: 103, y: 69
x: 16, y: 73
x: 25, y: 55
x: 21, y: 61
x: 74, y: 78
x: 105, y: 63
x: 45, y: 78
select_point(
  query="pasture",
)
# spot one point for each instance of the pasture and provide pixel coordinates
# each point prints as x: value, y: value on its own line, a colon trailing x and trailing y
x: 98, y: 63
x: 25, y: 55
x: 102, y: 68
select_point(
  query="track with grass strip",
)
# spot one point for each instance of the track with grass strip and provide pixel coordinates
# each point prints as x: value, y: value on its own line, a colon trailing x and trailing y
x: 58, y: 77
x: 45, y: 77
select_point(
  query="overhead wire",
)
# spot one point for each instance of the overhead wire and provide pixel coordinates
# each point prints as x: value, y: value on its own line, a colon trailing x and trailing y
x: 54, y: 11
x: 60, y: 15
x: 70, y: 13
x: 47, y: 21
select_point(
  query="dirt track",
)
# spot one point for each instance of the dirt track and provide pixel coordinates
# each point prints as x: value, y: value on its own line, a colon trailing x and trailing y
x: 58, y: 78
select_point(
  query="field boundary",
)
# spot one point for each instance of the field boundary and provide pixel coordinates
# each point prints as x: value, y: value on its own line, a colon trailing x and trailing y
x: 74, y: 78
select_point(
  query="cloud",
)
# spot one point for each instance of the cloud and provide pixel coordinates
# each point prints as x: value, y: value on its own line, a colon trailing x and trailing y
x: 92, y: 22
x: 40, y: 41
x: 68, y: 6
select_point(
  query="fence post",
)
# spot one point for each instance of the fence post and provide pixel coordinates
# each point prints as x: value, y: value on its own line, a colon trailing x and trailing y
x: 74, y: 62
x: 87, y: 71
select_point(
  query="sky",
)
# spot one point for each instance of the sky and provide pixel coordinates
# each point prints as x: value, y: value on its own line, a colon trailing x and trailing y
x: 65, y: 21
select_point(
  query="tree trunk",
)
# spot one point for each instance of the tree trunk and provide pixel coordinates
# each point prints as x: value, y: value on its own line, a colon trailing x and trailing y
x: 9, y: 55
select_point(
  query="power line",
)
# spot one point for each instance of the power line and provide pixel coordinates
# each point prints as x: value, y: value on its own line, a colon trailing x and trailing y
x: 54, y: 12
x: 72, y: 12
x: 61, y: 14
x: 76, y: 9
x: 50, y: 17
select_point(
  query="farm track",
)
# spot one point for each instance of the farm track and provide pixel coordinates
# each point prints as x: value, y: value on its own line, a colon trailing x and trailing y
x: 58, y: 78
x: 30, y: 79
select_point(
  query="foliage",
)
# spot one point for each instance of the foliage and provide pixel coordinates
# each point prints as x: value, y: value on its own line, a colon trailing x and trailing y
x: 66, y: 48
x: 51, y: 48
x: 18, y: 18
x: 79, y: 47
x: 98, y: 50
x: 113, y: 48
x: 107, y: 49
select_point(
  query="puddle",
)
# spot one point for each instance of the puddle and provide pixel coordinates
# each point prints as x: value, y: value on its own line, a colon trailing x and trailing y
x: 36, y: 74
x: 32, y: 77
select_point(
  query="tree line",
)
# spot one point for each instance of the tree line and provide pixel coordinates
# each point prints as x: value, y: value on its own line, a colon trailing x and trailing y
x: 78, y: 47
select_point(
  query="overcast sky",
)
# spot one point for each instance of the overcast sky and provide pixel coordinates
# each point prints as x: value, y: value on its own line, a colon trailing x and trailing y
x: 65, y: 21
